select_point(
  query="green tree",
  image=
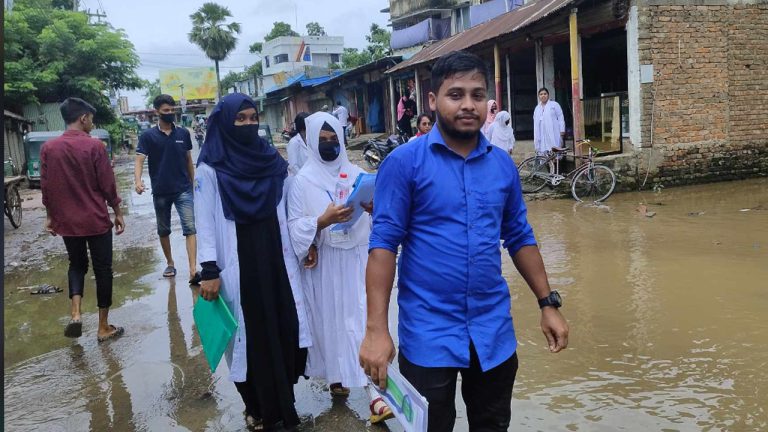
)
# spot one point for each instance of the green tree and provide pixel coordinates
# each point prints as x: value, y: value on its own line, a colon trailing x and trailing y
x: 315, y: 29
x: 353, y: 58
x: 151, y: 91
x: 280, y: 29
x: 255, y: 47
x: 378, y: 42
x: 231, y: 78
x: 53, y: 53
x: 213, y: 34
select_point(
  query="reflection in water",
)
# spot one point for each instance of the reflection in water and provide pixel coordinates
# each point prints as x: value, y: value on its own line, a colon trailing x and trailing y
x: 665, y: 314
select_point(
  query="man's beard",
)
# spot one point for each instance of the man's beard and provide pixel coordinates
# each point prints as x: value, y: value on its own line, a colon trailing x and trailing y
x: 452, y: 132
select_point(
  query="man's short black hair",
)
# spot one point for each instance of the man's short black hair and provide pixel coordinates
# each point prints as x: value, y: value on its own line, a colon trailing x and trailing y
x: 73, y: 108
x: 163, y: 99
x: 456, y: 62
x: 299, y: 123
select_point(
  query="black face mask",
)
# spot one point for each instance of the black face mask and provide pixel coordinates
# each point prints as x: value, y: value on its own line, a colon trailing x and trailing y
x: 246, y: 134
x: 329, y: 150
x: 168, y: 118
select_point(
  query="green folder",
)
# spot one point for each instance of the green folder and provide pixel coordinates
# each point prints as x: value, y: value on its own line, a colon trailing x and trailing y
x: 216, y: 326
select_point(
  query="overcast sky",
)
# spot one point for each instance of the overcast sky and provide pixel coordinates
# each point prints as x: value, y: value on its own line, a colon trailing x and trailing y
x: 158, y: 29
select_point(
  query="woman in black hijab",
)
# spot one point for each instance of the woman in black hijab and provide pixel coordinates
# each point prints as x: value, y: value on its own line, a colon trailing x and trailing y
x: 242, y: 234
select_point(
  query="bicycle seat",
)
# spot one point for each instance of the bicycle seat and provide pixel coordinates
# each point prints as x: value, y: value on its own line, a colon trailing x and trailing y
x: 559, y: 150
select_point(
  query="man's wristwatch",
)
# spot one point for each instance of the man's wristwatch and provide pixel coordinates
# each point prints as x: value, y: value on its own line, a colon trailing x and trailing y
x: 553, y: 299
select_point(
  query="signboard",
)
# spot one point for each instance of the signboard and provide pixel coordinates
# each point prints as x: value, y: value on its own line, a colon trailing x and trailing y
x: 198, y: 83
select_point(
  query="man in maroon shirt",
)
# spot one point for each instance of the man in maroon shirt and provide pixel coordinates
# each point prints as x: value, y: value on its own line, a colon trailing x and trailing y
x: 77, y: 182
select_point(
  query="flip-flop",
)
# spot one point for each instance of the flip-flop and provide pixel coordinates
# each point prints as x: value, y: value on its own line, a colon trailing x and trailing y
x: 253, y: 423
x: 114, y: 335
x: 337, y: 390
x: 46, y: 289
x: 382, y: 413
x: 196, y: 279
x: 74, y: 329
x: 169, y: 272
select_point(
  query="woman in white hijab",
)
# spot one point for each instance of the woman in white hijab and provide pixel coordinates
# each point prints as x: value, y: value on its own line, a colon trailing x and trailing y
x: 335, y: 287
x: 501, y: 134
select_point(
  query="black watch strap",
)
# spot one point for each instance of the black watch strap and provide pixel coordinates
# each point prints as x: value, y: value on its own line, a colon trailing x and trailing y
x: 553, y: 299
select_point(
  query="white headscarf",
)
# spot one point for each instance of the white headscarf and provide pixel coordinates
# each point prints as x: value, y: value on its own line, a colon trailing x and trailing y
x: 323, y: 176
x: 501, y: 133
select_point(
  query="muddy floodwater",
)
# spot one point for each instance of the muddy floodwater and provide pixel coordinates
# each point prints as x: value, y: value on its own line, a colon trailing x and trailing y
x: 666, y: 295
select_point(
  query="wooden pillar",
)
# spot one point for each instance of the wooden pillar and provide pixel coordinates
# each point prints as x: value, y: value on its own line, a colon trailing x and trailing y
x: 418, y: 91
x: 497, y: 74
x: 578, y: 123
x: 392, y: 104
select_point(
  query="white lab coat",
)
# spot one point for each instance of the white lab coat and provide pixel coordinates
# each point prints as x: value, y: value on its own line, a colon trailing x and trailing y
x: 548, y: 123
x: 217, y: 241
x: 342, y: 114
x: 297, y: 154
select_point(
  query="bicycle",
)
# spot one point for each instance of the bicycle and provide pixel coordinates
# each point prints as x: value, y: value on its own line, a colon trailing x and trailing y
x: 587, y: 181
x: 11, y: 197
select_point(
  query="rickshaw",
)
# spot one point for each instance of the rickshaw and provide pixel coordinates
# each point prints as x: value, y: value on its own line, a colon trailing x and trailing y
x: 34, y: 141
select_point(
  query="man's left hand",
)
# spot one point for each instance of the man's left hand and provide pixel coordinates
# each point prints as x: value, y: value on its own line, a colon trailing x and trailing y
x: 119, y: 225
x: 555, y: 329
x: 310, y: 261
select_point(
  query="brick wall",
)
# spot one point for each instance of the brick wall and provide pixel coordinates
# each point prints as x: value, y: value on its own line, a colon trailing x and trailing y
x: 710, y: 116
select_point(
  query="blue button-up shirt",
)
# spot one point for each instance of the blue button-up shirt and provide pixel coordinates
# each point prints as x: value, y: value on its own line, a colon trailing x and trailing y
x: 449, y: 213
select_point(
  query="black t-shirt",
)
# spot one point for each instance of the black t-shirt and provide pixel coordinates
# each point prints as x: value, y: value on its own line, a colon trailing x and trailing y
x: 167, y: 157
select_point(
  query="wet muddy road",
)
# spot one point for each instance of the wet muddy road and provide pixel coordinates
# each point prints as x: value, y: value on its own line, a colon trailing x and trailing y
x: 667, y: 318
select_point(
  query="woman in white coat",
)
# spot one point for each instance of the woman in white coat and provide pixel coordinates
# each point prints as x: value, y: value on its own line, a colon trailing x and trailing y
x: 548, y: 123
x: 244, y: 248
x: 501, y: 134
x: 335, y: 288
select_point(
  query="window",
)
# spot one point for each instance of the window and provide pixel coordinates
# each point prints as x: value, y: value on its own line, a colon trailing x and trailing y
x: 281, y: 58
x: 335, y: 58
x: 307, y: 54
x: 266, y: 61
x: 461, y: 16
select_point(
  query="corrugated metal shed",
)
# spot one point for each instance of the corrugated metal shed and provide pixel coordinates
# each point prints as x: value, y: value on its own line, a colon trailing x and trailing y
x: 507, y: 23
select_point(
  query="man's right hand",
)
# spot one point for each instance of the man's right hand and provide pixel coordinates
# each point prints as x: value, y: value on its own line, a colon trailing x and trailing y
x: 140, y: 187
x: 209, y: 289
x: 376, y: 353
x: 48, y: 226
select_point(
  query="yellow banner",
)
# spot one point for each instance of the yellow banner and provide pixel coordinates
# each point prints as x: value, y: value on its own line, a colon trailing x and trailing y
x: 198, y: 83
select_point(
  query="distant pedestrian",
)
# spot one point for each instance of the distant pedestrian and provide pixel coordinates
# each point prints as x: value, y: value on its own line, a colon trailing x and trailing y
x: 169, y: 150
x: 423, y: 125
x: 335, y: 288
x: 548, y: 123
x: 501, y: 133
x: 342, y: 114
x: 247, y: 258
x: 297, y: 146
x: 453, y: 301
x: 493, y: 108
x: 78, y: 184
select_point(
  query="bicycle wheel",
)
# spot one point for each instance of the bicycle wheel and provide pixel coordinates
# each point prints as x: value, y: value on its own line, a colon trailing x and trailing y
x: 593, y: 184
x: 13, y: 206
x: 534, y: 173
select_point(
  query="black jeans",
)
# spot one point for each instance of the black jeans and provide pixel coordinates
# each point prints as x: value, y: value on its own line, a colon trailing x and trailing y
x: 101, y: 256
x: 488, y: 395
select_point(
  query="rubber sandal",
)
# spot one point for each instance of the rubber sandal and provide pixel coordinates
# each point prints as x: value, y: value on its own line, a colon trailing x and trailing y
x: 196, y: 279
x: 253, y: 423
x: 169, y: 272
x: 74, y: 329
x: 46, y: 289
x: 337, y: 390
x: 114, y: 335
x: 382, y: 413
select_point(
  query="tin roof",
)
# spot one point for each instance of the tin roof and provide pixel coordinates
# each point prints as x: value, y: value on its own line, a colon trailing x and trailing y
x: 503, y: 24
x: 12, y: 115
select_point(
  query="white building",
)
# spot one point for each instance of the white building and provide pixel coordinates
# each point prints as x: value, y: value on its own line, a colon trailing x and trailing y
x: 288, y: 56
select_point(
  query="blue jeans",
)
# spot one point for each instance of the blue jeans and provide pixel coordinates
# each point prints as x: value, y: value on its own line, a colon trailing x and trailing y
x: 184, y: 206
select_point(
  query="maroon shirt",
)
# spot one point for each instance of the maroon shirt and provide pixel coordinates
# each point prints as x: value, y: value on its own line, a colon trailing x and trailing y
x: 78, y: 183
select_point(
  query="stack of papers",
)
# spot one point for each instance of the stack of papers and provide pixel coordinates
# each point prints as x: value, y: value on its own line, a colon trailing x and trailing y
x: 410, y: 407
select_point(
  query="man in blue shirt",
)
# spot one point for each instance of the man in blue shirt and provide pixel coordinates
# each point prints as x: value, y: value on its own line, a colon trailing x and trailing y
x: 171, y: 170
x: 447, y: 198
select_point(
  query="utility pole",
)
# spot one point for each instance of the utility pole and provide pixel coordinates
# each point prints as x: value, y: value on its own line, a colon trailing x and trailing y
x: 98, y: 15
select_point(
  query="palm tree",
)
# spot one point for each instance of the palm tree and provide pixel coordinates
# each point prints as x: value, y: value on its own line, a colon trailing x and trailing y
x: 213, y: 35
